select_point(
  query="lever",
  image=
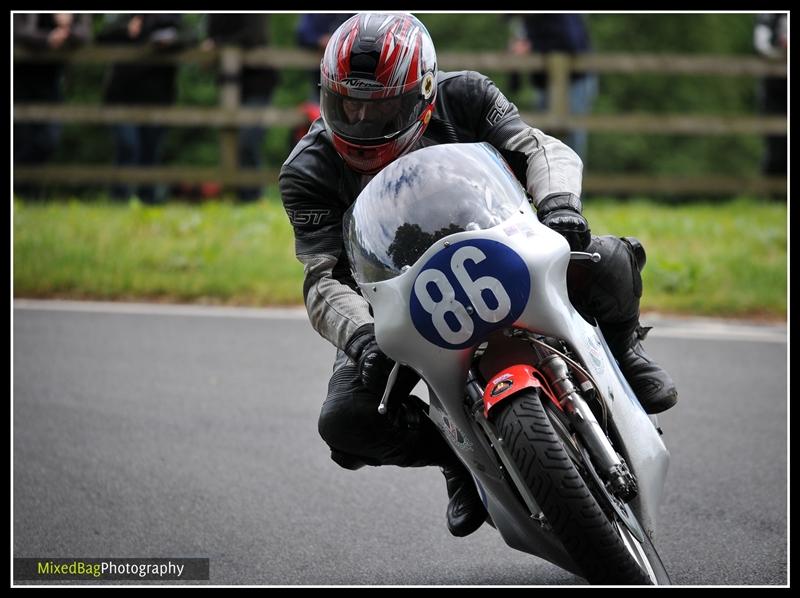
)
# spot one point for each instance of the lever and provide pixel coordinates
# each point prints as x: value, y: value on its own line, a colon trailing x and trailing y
x: 389, y: 385
x: 582, y: 255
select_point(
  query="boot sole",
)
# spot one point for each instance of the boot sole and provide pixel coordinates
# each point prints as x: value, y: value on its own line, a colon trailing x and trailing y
x: 661, y: 404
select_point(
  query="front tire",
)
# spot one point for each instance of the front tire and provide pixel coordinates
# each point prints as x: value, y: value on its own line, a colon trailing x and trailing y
x: 566, y: 501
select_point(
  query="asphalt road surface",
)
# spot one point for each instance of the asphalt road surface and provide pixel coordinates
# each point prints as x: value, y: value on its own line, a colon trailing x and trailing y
x: 179, y: 432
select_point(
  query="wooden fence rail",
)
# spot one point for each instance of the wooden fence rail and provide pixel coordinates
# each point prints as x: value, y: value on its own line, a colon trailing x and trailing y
x: 229, y: 115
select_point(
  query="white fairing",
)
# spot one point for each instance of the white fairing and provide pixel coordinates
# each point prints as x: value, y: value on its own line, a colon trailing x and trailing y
x: 487, y: 300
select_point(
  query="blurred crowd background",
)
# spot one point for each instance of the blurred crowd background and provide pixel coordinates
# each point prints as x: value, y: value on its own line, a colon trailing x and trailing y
x: 738, y: 34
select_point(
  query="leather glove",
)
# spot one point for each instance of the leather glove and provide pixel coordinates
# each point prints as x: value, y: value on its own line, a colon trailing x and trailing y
x: 562, y: 213
x: 374, y: 366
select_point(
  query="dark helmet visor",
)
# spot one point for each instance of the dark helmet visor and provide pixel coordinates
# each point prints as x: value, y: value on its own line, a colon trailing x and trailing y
x: 370, y: 119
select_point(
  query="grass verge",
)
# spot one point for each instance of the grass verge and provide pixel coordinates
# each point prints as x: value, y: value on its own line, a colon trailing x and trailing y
x: 715, y: 259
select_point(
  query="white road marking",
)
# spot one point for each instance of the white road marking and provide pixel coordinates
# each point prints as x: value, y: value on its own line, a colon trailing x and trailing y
x: 163, y: 309
x: 713, y: 329
x: 663, y: 327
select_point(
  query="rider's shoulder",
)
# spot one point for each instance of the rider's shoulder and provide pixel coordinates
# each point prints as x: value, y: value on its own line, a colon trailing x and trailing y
x: 464, y: 77
x: 313, y: 155
x: 460, y: 85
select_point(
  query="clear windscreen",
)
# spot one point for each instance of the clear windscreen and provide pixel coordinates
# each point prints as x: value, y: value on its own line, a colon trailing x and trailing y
x: 424, y: 196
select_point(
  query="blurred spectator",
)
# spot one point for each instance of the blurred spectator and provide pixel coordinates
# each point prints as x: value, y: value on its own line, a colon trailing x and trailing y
x: 770, y: 40
x: 313, y: 32
x: 567, y: 33
x: 142, y: 85
x: 42, y: 82
x: 310, y: 112
x: 256, y: 84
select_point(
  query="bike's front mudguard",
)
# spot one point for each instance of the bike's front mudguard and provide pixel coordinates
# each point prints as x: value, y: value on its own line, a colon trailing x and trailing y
x: 512, y: 380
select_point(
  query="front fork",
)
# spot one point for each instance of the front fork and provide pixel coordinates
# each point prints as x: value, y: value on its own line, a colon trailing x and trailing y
x: 475, y: 405
x: 554, y: 371
x: 611, y: 466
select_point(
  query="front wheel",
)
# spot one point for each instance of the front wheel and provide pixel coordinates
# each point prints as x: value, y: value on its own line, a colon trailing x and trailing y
x: 600, y: 546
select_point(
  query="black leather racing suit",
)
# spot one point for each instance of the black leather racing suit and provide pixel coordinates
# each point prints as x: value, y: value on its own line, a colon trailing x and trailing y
x: 317, y: 188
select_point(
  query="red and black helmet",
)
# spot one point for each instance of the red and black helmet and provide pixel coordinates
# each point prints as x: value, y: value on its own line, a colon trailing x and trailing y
x: 378, y: 79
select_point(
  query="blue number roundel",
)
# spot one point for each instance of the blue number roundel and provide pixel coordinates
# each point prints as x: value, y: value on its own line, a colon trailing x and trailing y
x: 467, y: 290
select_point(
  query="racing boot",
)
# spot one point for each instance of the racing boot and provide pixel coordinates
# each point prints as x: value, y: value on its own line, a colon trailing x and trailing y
x: 652, y: 384
x: 465, y: 511
x: 615, y: 289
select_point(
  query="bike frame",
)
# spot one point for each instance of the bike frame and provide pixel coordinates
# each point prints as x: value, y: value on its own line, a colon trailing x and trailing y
x: 548, y: 312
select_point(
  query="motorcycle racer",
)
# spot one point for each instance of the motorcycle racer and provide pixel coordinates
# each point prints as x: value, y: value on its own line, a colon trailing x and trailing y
x: 382, y: 96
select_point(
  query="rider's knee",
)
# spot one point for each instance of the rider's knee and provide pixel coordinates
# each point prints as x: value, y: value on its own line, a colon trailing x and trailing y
x: 619, y: 270
x: 336, y: 427
x: 333, y: 423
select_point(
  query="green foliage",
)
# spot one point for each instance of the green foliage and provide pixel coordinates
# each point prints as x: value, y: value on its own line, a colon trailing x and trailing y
x: 653, y: 93
x: 467, y: 32
x: 690, y: 33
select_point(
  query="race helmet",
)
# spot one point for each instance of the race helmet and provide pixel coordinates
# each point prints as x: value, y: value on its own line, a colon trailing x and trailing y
x: 378, y: 85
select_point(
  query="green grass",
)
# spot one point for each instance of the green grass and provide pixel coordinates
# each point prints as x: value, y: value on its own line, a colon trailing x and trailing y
x: 716, y: 259
x: 215, y: 252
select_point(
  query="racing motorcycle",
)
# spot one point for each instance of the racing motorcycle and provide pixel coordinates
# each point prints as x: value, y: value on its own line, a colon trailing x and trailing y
x: 468, y: 290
